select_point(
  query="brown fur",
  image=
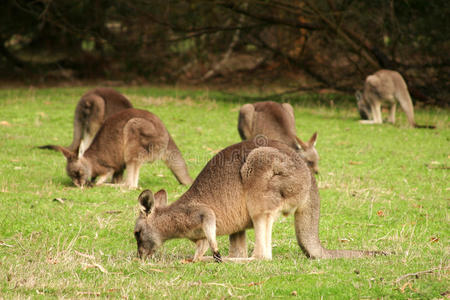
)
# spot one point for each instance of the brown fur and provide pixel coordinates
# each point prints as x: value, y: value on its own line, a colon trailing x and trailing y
x: 385, y: 87
x: 126, y: 140
x: 271, y: 120
x: 91, y: 112
x: 242, y: 187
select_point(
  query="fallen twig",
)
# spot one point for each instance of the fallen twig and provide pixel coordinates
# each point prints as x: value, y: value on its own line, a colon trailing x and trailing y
x: 417, y: 274
x: 154, y: 270
x: 113, y: 211
x: 89, y: 293
x: 95, y: 265
x: 60, y: 200
x: 84, y: 255
x: 6, y: 245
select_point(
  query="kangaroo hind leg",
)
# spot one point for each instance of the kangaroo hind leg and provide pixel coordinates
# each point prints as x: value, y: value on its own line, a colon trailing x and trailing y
x: 133, y: 174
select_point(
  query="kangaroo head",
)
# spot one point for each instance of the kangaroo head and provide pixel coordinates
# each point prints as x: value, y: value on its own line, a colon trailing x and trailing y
x: 364, y: 109
x: 308, y: 151
x: 79, y: 171
x: 77, y: 168
x: 146, y: 231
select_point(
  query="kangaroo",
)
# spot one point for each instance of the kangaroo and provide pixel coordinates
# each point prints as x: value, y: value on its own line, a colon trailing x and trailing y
x: 385, y: 87
x: 91, y: 112
x: 271, y: 120
x: 126, y: 140
x: 244, y: 186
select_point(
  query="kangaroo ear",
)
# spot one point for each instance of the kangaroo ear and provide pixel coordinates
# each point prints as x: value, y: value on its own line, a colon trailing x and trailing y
x: 313, y: 140
x: 358, y: 95
x: 302, y: 144
x: 161, y: 198
x: 67, y: 153
x: 147, y: 201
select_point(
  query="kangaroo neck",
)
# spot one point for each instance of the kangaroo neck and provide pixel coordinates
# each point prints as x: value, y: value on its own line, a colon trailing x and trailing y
x: 92, y: 163
x: 171, y: 221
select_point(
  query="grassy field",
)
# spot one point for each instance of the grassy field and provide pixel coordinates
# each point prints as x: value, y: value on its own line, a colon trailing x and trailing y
x: 382, y: 188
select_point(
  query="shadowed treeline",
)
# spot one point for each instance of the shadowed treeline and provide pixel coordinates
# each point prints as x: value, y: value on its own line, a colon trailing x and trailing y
x: 326, y: 44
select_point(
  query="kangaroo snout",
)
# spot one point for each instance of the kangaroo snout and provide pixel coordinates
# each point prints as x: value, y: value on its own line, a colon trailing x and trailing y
x: 143, y: 253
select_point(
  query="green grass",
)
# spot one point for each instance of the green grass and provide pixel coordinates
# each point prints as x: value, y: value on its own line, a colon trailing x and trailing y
x: 382, y: 188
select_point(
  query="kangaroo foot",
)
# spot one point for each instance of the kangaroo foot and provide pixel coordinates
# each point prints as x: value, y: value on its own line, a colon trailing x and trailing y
x: 217, y: 257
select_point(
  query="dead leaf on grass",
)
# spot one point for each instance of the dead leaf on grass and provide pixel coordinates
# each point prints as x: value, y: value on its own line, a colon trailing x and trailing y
x: 434, y: 239
x: 355, y: 162
x: 213, y: 151
x: 380, y: 213
x: 255, y: 283
x: 5, y: 123
x: 446, y: 294
x: 186, y: 261
x: 344, y: 240
x: 52, y: 261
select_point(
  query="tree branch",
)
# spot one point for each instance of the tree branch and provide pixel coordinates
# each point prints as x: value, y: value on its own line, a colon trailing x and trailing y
x: 271, y: 19
x: 344, y: 35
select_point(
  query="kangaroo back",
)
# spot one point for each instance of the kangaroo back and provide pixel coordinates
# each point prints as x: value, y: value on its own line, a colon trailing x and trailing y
x: 92, y: 110
x: 275, y: 121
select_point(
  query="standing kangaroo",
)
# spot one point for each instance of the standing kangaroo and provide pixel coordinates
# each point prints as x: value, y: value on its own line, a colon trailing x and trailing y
x: 385, y: 87
x: 244, y: 186
x: 276, y: 121
x: 92, y: 110
x: 126, y: 140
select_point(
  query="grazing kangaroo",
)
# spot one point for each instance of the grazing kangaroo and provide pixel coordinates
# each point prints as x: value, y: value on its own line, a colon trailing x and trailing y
x: 385, y: 87
x: 244, y: 186
x: 126, y: 140
x: 92, y: 110
x: 271, y: 120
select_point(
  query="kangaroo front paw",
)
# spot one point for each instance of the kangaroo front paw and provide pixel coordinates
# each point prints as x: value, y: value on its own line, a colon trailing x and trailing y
x: 217, y: 257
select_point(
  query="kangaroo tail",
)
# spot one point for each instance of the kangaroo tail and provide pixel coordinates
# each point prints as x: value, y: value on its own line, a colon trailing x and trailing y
x: 176, y: 163
x: 66, y: 152
x: 50, y: 147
